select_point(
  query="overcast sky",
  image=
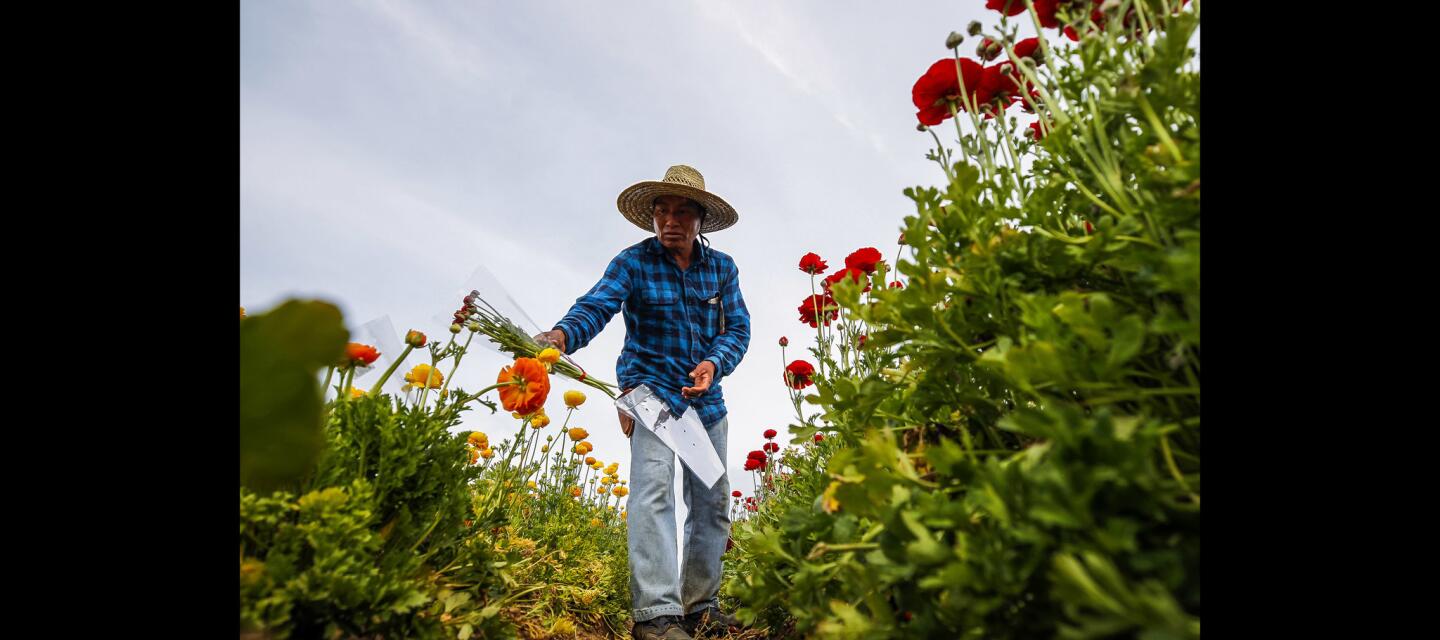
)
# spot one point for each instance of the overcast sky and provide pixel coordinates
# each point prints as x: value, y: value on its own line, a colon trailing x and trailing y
x: 388, y: 149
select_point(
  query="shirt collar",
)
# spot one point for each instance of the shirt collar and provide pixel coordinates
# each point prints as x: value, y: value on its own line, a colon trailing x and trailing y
x: 701, y: 254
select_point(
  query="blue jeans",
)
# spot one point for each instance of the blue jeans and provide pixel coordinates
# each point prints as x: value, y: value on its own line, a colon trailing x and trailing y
x: 657, y: 586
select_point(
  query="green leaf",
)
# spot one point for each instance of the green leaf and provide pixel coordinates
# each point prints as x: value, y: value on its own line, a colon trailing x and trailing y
x: 466, y: 630
x: 281, y: 355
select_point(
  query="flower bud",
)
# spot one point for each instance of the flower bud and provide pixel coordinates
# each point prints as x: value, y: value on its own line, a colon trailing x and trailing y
x: 473, y: 326
x: 954, y: 40
x: 974, y: 27
x: 414, y: 338
x: 921, y: 127
x: 455, y: 328
x: 784, y: 342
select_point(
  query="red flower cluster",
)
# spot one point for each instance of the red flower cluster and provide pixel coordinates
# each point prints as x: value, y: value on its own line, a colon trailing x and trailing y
x: 771, y: 447
x: 754, y: 460
x: 863, y: 259
x: 818, y: 308
x: 798, y: 375
x: 1009, y: 7
x: 812, y: 264
x: 991, y: 89
x: 770, y: 434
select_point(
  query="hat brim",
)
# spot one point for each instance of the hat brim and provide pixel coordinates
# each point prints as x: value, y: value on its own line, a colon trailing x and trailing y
x: 637, y: 204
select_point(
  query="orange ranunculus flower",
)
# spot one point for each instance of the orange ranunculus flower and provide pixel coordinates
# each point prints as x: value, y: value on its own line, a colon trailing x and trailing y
x: 424, y: 374
x: 622, y: 515
x: 590, y: 461
x: 577, y: 434
x: 588, y: 446
x: 479, y: 439
x: 488, y: 453
x: 595, y: 522
x: 414, y: 338
x: 539, y: 420
x: 621, y: 491
x: 534, y: 384
x: 474, y: 456
x: 574, y: 399
x: 575, y: 491
x: 610, y: 470
x: 362, y: 355
x: 602, y: 489
x: 356, y: 392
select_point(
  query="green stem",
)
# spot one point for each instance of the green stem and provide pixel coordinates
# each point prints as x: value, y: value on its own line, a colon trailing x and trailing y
x: 375, y: 391
x: 1175, y: 470
x: 451, y: 378
x: 325, y: 387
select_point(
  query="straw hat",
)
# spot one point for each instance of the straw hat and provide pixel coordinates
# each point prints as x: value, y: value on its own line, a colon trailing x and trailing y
x: 637, y: 203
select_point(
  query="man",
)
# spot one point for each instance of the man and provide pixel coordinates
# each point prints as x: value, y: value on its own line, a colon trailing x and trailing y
x: 686, y: 327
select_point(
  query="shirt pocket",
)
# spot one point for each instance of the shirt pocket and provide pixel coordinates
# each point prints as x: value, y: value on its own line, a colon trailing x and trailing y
x: 708, y: 313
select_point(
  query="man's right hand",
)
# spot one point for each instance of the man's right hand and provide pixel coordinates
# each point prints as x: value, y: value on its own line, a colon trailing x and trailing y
x: 627, y: 424
x: 554, y: 337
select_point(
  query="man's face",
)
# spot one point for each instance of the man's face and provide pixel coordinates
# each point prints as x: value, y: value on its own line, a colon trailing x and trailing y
x: 677, y: 222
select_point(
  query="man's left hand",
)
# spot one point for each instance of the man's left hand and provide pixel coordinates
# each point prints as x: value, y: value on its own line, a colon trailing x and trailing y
x: 703, y: 375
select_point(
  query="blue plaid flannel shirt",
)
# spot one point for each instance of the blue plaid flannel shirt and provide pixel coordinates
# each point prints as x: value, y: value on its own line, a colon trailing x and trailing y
x: 673, y: 321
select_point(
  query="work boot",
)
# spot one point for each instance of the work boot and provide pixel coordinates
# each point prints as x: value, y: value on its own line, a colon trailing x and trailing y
x: 661, y: 628
x: 711, y: 621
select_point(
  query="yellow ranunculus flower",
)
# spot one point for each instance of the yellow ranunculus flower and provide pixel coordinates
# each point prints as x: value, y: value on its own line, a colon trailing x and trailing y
x: 479, y: 439
x: 545, y: 448
x: 830, y: 504
x: 610, y: 470
x: 577, y: 434
x: 574, y: 399
x: 539, y: 420
x: 621, y: 491
x: 575, y: 491
x: 607, y: 480
x: 597, y: 466
x: 602, y: 490
x: 622, y: 514
x: 356, y: 392
x: 424, y: 374
x: 488, y: 453
x: 594, y: 522
x: 548, y: 356
x: 530, y: 483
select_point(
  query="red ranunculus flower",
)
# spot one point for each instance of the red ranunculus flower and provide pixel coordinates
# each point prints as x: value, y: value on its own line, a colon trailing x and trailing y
x: 856, y: 275
x: 735, y: 493
x: 1036, y: 131
x: 1000, y: 87
x: 1029, y: 48
x: 756, y: 455
x: 360, y: 354
x: 798, y: 374
x: 818, y: 308
x: 770, y: 434
x: 771, y: 447
x: 1088, y: 228
x: 940, y: 86
x: 812, y: 264
x: 897, y: 285
x: 752, y: 464
x: 863, y: 259
x: 860, y: 344
x: 1045, y: 10
x: 819, y: 437
x: 1008, y: 7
